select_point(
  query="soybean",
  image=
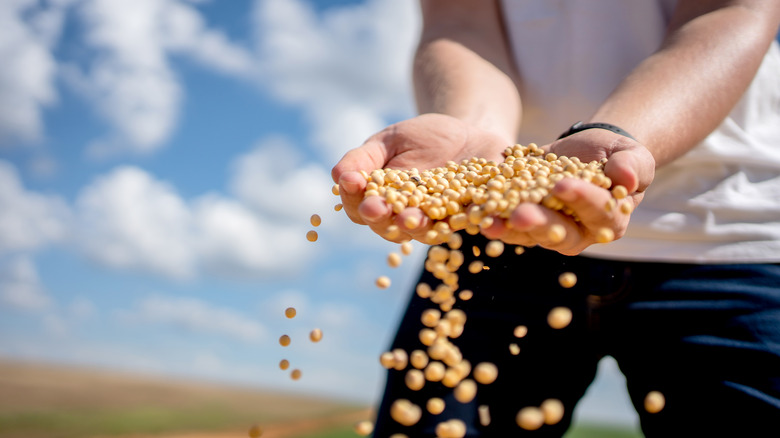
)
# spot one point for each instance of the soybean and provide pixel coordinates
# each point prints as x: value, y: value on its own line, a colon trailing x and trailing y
x: 405, y: 412
x: 394, y: 260
x: 476, y: 266
x: 485, y: 373
x: 556, y: 233
x: 383, y: 282
x: 418, y: 359
x: 465, y: 294
x: 434, y: 372
x: 654, y: 402
x: 453, y: 428
x: 364, y: 428
x: 415, y: 380
x: 430, y: 317
x: 559, y: 317
x: 553, y: 411
x: 484, y: 415
x: 530, y: 418
x: 567, y: 280
x: 435, y: 406
x: 494, y: 248
x: 255, y: 431
x: 605, y: 235
x: 465, y: 391
x: 619, y: 192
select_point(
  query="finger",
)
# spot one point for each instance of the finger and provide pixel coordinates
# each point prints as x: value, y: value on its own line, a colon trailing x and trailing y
x: 531, y: 224
x: 527, y: 216
x: 346, y: 173
x: 375, y: 213
x: 500, y: 230
x: 369, y: 156
x: 588, y: 203
x: 632, y: 168
x: 374, y: 210
x: 414, y: 222
x: 586, y: 200
x: 569, y: 242
x: 352, y: 185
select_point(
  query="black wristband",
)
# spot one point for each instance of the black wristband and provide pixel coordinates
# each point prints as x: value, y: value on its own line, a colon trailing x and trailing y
x: 579, y: 126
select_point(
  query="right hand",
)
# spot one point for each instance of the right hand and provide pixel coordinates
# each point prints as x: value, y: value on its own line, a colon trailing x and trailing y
x: 422, y: 142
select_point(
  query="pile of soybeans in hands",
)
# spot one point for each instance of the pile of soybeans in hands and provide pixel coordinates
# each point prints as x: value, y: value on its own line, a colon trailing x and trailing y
x: 469, y: 196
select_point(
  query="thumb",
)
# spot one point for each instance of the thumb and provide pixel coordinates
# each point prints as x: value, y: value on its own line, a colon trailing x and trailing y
x: 632, y: 168
x: 369, y: 156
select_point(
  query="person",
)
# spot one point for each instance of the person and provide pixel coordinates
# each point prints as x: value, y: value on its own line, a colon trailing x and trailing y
x: 687, y: 299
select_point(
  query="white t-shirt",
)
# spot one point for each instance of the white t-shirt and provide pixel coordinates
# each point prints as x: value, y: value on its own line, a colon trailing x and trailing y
x: 718, y: 203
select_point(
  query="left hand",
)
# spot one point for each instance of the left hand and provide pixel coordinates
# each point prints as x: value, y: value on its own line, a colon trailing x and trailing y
x: 630, y: 164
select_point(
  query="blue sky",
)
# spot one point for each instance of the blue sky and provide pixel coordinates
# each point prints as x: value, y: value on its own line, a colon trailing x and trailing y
x: 159, y: 161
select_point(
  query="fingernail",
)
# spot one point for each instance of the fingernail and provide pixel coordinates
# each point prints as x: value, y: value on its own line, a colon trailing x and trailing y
x: 350, y: 187
x: 564, y: 192
x: 371, y: 216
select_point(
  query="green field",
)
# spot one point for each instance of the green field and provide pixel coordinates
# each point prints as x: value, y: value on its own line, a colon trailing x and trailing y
x: 597, y: 431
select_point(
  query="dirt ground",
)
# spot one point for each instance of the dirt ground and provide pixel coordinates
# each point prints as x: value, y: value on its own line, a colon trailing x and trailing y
x: 41, y: 388
x: 286, y: 429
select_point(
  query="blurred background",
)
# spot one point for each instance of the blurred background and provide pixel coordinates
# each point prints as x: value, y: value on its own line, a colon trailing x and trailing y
x: 159, y: 162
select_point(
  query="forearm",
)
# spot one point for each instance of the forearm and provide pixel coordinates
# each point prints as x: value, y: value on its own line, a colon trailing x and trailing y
x: 677, y: 96
x: 462, y: 68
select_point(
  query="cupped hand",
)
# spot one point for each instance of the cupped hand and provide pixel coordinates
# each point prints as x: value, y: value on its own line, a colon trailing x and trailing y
x: 422, y: 142
x: 629, y: 164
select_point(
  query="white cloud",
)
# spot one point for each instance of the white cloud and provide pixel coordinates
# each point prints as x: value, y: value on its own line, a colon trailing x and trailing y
x: 20, y: 287
x: 129, y: 220
x: 277, y: 182
x: 184, y: 30
x: 348, y: 67
x: 274, y: 178
x: 29, y: 69
x: 198, y: 316
x: 131, y: 81
x: 231, y: 240
x: 28, y: 220
x: 56, y: 326
x: 81, y: 309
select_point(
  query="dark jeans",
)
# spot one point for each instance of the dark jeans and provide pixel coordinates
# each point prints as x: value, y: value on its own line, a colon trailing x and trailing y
x: 706, y: 336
